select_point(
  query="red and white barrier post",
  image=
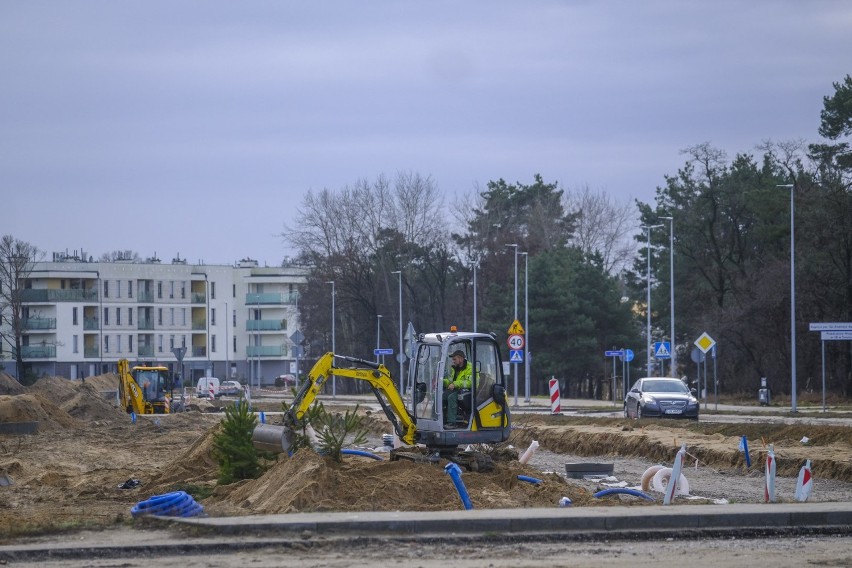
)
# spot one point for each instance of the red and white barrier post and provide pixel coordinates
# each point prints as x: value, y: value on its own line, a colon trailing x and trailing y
x: 555, y: 402
x: 805, y: 483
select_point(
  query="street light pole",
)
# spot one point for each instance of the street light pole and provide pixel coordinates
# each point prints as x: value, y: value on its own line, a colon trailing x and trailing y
x: 526, y: 328
x: 673, y: 369
x: 400, y: 355
x: 333, y: 346
x: 648, y: 304
x: 378, y: 334
x: 515, y: 366
x: 792, y: 298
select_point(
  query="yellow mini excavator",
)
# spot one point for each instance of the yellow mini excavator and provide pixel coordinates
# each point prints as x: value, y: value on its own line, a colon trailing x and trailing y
x: 144, y: 390
x: 483, y: 412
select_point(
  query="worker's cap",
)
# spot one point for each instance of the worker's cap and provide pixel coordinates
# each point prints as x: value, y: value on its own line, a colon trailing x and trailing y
x: 458, y: 353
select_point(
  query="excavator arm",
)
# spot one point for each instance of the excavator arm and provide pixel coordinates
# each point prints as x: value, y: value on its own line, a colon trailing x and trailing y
x: 374, y: 373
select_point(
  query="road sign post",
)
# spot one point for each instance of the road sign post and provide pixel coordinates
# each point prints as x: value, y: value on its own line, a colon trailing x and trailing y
x: 831, y: 331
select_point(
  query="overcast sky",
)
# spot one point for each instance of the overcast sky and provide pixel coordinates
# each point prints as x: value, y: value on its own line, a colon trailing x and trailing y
x: 195, y: 128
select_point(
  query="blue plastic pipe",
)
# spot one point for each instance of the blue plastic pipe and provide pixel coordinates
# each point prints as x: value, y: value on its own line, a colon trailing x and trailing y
x: 529, y: 479
x: 745, y: 450
x: 623, y: 491
x: 175, y: 504
x: 454, y: 472
x: 361, y: 453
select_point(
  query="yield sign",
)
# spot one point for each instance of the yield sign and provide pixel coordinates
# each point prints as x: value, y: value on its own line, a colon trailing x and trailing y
x: 705, y: 342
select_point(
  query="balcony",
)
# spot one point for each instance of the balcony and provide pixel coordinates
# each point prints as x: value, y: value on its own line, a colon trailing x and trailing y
x: 199, y: 326
x: 266, y: 351
x: 91, y: 324
x: 263, y: 325
x: 145, y: 324
x: 38, y: 351
x: 198, y: 298
x: 51, y: 295
x: 145, y: 351
x: 199, y: 351
x: 272, y: 298
x: 34, y: 324
x: 90, y: 352
x: 145, y: 297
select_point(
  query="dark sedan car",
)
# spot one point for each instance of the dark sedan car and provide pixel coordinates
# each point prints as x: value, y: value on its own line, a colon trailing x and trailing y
x: 660, y: 397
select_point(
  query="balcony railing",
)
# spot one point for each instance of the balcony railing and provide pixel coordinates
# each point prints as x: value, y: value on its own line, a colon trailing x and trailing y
x: 145, y: 297
x: 55, y: 295
x: 145, y: 351
x: 39, y: 323
x: 198, y: 298
x: 90, y: 352
x: 199, y: 351
x: 266, y: 351
x: 199, y: 326
x: 145, y: 324
x: 91, y: 324
x: 38, y: 351
x: 271, y: 298
x: 263, y: 325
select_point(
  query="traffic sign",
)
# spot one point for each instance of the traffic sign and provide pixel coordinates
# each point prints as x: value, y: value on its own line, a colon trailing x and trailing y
x: 831, y: 326
x: 628, y: 355
x: 697, y: 355
x: 705, y: 342
x: 382, y: 351
x: 516, y: 356
x: 516, y: 328
x: 613, y: 353
x: 516, y: 342
x: 662, y: 350
x: 838, y: 335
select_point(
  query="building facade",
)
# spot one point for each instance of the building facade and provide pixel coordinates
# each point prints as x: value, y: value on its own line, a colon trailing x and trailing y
x: 232, y: 322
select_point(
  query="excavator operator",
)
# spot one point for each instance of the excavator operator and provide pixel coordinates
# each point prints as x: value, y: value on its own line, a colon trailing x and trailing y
x: 459, y: 378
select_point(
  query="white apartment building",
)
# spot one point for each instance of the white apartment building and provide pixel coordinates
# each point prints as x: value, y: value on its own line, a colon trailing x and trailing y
x: 236, y: 322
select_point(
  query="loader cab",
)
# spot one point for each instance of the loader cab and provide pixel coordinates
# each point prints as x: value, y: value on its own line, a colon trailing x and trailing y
x: 155, y: 384
x: 482, y: 411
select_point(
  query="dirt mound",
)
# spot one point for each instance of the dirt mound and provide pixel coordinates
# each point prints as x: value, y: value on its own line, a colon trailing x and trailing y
x: 195, y: 465
x: 55, y: 389
x: 35, y: 408
x: 105, y: 382
x: 88, y: 404
x: 10, y: 386
x: 308, y: 482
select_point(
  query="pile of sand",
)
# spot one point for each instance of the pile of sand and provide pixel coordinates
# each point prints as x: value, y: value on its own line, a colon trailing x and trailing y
x: 35, y: 408
x: 10, y: 386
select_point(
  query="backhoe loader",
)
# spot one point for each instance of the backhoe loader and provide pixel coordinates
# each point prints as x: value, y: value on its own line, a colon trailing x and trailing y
x: 144, y: 390
x: 483, y: 412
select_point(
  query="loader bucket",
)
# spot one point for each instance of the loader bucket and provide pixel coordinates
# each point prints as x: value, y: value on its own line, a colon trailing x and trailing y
x: 272, y: 438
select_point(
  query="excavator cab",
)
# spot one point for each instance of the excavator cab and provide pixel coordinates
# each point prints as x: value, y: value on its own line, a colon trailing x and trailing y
x: 144, y: 390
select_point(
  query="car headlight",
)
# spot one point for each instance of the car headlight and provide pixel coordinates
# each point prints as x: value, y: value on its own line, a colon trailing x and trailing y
x: 692, y: 402
x: 649, y: 400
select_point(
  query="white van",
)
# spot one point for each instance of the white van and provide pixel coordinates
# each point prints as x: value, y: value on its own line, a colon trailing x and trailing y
x: 205, y: 385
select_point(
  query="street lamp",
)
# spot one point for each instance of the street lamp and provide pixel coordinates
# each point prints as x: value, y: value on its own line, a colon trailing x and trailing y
x: 474, y: 260
x: 515, y: 366
x: 648, y: 306
x: 673, y: 368
x: 400, y: 355
x: 792, y: 299
x: 526, y: 327
x: 378, y: 334
x: 333, y: 347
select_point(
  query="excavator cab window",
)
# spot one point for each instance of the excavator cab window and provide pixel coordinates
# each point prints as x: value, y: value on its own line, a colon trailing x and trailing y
x: 427, y: 374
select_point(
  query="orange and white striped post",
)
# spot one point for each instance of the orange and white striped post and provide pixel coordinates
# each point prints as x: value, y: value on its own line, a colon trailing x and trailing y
x: 555, y: 402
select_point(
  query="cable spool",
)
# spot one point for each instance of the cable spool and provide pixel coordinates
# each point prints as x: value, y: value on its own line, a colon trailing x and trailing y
x: 663, y: 477
x: 649, y: 475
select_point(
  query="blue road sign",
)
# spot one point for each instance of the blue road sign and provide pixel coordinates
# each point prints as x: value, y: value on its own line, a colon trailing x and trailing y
x: 516, y: 356
x: 662, y: 350
x: 613, y: 353
x: 382, y: 351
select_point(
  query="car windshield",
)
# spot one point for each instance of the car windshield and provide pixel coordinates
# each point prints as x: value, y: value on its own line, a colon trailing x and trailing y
x: 664, y: 386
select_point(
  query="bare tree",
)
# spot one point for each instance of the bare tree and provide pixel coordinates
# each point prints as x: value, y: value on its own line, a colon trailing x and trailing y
x: 17, y: 259
x: 604, y: 227
x: 120, y: 256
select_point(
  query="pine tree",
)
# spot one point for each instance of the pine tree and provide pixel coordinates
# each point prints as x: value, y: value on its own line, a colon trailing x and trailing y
x: 233, y: 449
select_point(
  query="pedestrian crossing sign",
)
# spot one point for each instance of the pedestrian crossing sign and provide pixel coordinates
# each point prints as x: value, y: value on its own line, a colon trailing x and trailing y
x: 662, y: 350
x: 516, y: 356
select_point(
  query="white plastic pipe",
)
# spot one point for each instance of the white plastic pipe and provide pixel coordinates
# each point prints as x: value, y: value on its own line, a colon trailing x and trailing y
x: 529, y: 453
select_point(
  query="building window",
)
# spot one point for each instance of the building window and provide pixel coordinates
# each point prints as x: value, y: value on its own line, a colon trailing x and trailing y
x: 130, y: 288
x: 106, y: 343
x: 129, y: 316
x: 160, y: 289
x: 117, y: 316
x: 233, y: 290
x: 284, y: 324
x: 159, y: 316
x: 106, y: 288
x: 171, y: 316
x: 212, y: 316
x: 183, y: 290
x: 118, y: 344
x: 74, y: 317
x: 106, y: 316
x: 183, y: 341
x: 212, y: 290
x: 171, y: 289
x: 130, y: 343
x: 76, y: 345
x: 235, y: 319
x: 213, y: 343
x: 171, y: 342
x: 183, y: 316
x: 160, y: 343
x: 235, y: 344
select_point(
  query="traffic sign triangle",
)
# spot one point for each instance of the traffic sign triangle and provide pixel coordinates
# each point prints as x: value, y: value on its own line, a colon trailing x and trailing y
x: 516, y: 328
x: 662, y: 351
x: 516, y: 356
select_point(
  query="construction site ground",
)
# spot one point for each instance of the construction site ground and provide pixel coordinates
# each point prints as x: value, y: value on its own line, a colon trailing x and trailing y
x: 68, y: 476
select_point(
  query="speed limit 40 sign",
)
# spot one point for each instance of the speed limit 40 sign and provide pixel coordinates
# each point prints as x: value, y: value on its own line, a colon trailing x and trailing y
x: 516, y: 342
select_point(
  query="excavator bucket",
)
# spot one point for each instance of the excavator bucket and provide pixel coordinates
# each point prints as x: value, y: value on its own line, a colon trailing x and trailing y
x: 272, y: 438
